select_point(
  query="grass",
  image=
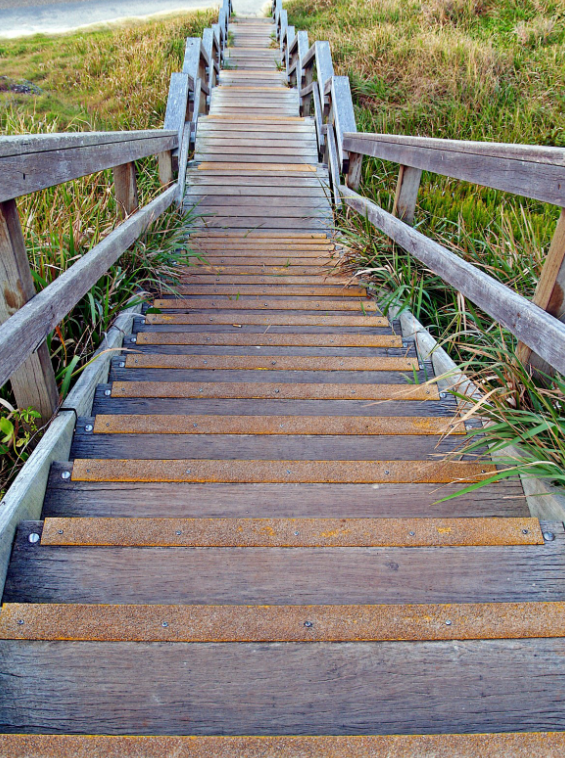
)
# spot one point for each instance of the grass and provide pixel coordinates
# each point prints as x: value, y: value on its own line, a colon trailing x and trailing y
x: 460, y: 69
x: 113, y: 79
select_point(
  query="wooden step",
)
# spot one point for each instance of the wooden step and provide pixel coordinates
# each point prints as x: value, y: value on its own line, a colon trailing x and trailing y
x: 340, y: 471
x: 278, y: 425
x: 249, y: 446
x: 233, y: 319
x: 504, y: 745
x: 282, y: 623
x: 250, y: 303
x: 289, y: 533
x: 193, y: 278
x: 269, y: 362
x: 286, y: 576
x: 269, y: 339
x: 274, y: 289
x: 66, y: 498
x: 279, y: 391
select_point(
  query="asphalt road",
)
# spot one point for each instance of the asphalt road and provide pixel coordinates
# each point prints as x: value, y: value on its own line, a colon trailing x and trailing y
x: 23, y: 17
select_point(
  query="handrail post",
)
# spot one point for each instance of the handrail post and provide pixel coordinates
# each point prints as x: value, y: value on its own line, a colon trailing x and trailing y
x: 308, y: 77
x: 165, y: 168
x: 550, y: 292
x: 125, y: 187
x: 354, y: 173
x: 33, y: 383
x: 406, y: 193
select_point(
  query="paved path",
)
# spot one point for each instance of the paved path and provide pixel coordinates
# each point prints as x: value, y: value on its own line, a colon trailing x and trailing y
x: 24, y: 17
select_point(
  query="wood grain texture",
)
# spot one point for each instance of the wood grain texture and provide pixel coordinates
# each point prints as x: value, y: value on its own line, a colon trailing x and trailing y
x: 66, y: 159
x: 104, y: 404
x: 125, y: 187
x: 250, y: 445
x: 258, y: 575
x: 406, y: 193
x: 534, y: 172
x: 65, y: 498
x: 541, y: 332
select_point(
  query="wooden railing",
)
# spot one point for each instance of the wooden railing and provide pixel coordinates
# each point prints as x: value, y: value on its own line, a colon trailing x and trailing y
x: 529, y: 171
x: 33, y: 162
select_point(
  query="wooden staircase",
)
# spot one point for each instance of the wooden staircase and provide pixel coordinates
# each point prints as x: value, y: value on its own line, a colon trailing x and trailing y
x: 246, y: 556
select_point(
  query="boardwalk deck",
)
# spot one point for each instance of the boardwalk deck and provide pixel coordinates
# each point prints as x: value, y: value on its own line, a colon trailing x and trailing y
x: 248, y: 540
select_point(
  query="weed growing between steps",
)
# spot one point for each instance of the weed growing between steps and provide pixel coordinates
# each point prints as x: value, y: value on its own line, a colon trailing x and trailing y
x: 474, y: 70
x: 105, y: 80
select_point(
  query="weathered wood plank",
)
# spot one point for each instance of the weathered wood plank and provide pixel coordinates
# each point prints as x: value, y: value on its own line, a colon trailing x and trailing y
x: 258, y: 200
x: 406, y: 193
x: 112, y: 499
x: 342, y: 115
x: 279, y: 575
x: 527, y: 172
x: 39, y: 143
x: 541, y: 332
x: 33, y: 170
x: 125, y: 187
x: 257, y: 379
x: 250, y: 445
x: 177, y: 104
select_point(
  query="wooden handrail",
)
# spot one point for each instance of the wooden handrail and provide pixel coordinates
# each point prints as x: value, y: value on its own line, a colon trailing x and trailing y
x: 30, y: 325
x: 32, y: 163
x: 535, y: 172
x: 531, y: 324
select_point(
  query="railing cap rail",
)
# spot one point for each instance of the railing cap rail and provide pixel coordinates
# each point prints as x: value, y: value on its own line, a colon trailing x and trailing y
x: 40, y: 143
x: 507, y: 150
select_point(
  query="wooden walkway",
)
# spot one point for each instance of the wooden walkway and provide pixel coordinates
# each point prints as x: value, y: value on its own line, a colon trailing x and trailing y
x: 247, y: 541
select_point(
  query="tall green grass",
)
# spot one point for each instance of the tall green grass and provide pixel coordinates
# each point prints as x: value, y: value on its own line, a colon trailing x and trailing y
x: 111, y: 80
